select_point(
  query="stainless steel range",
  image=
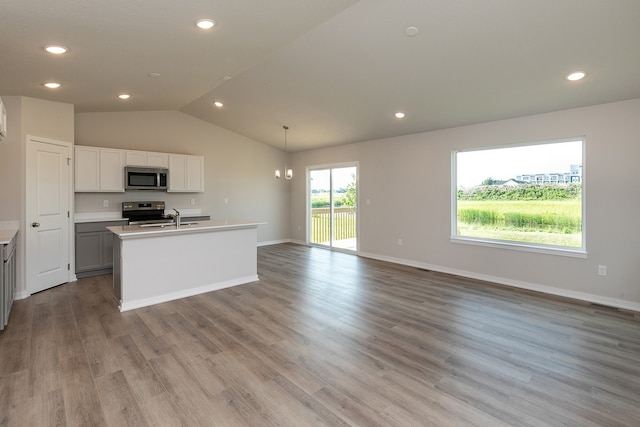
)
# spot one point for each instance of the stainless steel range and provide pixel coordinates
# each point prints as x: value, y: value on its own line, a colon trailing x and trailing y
x: 145, y: 213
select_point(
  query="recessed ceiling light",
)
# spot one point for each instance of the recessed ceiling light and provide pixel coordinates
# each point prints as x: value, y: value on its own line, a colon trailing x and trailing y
x: 52, y: 85
x: 154, y: 75
x: 56, y: 50
x: 411, y: 31
x: 218, y: 104
x: 124, y: 96
x: 399, y: 115
x: 205, y: 24
x: 578, y: 75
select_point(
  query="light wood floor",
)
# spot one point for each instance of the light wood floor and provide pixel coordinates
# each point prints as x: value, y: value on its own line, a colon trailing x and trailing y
x: 323, y: 339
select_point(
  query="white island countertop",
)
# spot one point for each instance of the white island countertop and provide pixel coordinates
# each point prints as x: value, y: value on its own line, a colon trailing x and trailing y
x: 126, y: 232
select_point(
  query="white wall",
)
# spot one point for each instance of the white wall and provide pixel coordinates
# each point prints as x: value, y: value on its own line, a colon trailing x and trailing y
x: 237, y: 169
x: 407, y: 180
x: 26, y: 116
x: 10, y: 161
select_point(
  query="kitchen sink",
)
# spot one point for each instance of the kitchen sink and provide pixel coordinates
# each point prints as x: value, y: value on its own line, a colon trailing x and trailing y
x: 167, y: 224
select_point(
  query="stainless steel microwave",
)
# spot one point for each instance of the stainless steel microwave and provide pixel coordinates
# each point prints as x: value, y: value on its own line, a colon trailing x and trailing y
x: 146, y: 178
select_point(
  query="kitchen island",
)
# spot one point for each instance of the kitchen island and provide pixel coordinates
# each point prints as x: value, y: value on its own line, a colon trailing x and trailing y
x: 155, y: 264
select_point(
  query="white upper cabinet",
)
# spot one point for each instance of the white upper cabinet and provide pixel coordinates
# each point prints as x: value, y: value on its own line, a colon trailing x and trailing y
x: 102, y: 169
x: 186, y: 173
x: 99, y: 169
x: 158, y: 159
x: 135, y: 158
x: 87, y: 169
x: 147, y: 158
x: 111, y: 170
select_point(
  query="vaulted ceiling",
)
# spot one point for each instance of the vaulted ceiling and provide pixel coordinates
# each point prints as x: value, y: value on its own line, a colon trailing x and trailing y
x: 334, y: 71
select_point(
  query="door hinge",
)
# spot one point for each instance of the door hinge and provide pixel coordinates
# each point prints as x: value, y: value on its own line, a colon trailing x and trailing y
x: 68, y: 266
x: 68, y: 161
x: 68, y: 216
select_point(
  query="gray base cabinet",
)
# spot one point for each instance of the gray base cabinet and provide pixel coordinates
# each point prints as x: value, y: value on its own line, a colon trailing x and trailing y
x: 94, y: 248
x: 7, y: 280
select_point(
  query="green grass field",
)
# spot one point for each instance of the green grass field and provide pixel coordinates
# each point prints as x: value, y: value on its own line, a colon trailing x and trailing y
x: 572, y: 208
x: 550, y: 222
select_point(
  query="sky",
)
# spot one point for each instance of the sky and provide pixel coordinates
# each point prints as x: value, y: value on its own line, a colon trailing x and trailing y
x: 501, y: 164
x: 341, y: 178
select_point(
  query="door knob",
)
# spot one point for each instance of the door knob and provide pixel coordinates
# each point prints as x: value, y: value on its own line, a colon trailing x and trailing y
x: 35, y: 224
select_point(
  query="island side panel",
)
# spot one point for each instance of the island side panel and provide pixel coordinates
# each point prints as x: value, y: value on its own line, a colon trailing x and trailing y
x: 117, y: 269
x: 174, y: 265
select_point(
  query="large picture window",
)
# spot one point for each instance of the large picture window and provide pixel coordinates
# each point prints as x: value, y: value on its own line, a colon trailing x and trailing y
x: 524, y: 196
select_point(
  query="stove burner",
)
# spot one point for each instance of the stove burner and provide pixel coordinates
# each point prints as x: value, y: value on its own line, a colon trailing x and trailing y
x: 145, y: 213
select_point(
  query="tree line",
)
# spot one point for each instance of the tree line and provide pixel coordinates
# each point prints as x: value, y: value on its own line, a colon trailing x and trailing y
x: 522, y: 192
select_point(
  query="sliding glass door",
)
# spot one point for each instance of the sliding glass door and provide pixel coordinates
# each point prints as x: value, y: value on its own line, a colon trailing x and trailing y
x: 333, y: 207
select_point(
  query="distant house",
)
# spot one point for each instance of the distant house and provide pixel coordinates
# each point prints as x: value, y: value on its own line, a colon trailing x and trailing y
x: 574, y: 175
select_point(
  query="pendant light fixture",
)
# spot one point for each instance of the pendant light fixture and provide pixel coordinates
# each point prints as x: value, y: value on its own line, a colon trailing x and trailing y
x: 288, y: 173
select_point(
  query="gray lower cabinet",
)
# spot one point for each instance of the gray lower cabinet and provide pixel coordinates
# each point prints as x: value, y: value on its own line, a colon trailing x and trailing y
x: 94, y: 248
x: 7, y: 280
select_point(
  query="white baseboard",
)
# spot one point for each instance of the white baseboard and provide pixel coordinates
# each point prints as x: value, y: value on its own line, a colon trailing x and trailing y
x: 298, y: 242
x: 273, y: 242
x: 581, y: 296
x: 21, y: 295
x: 277, y: 242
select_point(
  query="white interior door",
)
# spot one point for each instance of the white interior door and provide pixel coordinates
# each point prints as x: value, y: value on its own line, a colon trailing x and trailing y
x: 47, y: 213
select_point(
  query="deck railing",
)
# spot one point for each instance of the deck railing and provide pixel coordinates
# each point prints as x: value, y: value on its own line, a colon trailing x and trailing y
x: 344, y: 224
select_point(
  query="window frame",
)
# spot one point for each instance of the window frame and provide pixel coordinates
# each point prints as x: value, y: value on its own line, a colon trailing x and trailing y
x: 578, y: 252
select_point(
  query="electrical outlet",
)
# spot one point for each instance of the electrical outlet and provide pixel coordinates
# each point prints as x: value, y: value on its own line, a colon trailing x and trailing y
x: 193, y: 202
x: 105, y: 203
x: 226, y: 200
x: 399, y: 242
x: 602, y: 270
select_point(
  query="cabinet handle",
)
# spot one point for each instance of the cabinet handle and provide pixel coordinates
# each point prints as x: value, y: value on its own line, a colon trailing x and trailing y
x: 35, y: 224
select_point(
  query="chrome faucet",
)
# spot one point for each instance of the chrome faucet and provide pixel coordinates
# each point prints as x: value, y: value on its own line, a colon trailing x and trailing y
x: 176, y: 218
